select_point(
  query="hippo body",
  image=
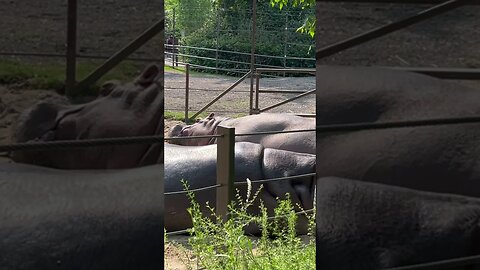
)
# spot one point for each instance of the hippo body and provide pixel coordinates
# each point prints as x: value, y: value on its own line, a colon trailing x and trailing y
x: 303, y: 142
x: 121, y: 110
x: 58, y: 219
x: 197, y: 165
x: 434, y: 158
x: 113, y: 219
x: 369, y: 226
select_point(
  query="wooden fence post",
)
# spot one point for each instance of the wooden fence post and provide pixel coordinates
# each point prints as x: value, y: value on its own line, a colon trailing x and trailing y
x: 225, y: 170
x: 187, y: 90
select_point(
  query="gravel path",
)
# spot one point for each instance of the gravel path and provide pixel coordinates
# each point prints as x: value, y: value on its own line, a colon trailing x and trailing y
x: 206, y: 87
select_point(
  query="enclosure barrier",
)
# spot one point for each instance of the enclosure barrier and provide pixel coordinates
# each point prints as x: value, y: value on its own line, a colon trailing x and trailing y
x: 256, y: 75
x: 224, y: 92
x: 174, y: 53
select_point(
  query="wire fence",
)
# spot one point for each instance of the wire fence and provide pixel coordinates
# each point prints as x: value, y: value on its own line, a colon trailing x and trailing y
x: 40, y: 29
x: 275, y: 90
x: 220, y: 40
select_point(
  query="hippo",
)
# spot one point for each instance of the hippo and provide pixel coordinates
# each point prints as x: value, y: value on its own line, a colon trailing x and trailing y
x: 121, y: 110
x: 303, y: 142
x: 113, y: 219
x: 368, y: 226
x: 80, y: 219
x: 197, y: 166
x: 440, y: 158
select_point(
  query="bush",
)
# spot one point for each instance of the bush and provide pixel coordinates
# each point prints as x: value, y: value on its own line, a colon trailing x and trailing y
x: 218, y: 244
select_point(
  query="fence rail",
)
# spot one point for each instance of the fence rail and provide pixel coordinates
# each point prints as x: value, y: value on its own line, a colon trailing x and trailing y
x: 258, y: 74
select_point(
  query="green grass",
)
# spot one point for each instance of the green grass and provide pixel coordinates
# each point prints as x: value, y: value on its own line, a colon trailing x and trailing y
x: 218, y: 244
x: 239, y: 115
x: 180, y: 116
x: 51, y: 75
x: 174, y: 69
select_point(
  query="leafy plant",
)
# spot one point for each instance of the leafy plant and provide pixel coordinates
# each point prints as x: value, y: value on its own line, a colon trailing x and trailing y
x: 222, y: 244
x: 309, y: 24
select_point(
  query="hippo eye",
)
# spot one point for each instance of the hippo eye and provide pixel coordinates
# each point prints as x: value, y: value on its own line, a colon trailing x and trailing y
x: 107, y: 88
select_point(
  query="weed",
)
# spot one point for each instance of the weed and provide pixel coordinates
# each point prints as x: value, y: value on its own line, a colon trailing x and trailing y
x: 222, y: 244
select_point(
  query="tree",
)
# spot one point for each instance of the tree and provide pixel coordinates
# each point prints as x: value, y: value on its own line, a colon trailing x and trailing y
x: 309, y: 24
x: 191, y: 15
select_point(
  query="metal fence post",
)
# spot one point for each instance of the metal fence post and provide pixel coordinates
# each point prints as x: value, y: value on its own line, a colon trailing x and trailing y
x: 187, y: 83
x: 225, y: 170
x: 173, y: 47
x: 250, y: 109
x: 257, y: 92
x: 217, y: 32
x: 285, y: 41
x: 70, y: 76
x: 252, y: 54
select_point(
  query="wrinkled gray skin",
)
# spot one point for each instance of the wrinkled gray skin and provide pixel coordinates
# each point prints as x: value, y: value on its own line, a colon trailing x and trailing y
x: 132, y: 109
x: 439, y: 159
x: 197, y: 165
x: 368, y: 226
x: 303, y: 142
x: 59, y: 219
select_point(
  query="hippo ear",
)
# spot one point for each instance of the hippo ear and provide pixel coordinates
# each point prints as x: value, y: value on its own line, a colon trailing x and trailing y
x: 148, y: 75
x: 39, y: 121
x: 35, y: 122
x: 210, y: 116
x: 175, y: 131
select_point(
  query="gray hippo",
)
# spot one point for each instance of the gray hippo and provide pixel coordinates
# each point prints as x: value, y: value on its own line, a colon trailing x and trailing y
x: 112, y: 219
x: 121, y: 110
x: 434, y: 158
x: 303, y: 142
x: 100, y: 219
x: 369, y: 226
x: 197, y: 165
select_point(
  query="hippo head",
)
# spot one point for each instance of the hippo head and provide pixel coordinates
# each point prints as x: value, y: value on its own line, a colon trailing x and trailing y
x: 120, y: 110
x: 205, y: 126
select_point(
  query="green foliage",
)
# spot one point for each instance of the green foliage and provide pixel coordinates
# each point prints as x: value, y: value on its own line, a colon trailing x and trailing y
x: 180, y: 116
x: 308, y: 26
x: 190, y: 15
x: 293, y: 3
x: 229, y: 29
x: 219, y: 244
